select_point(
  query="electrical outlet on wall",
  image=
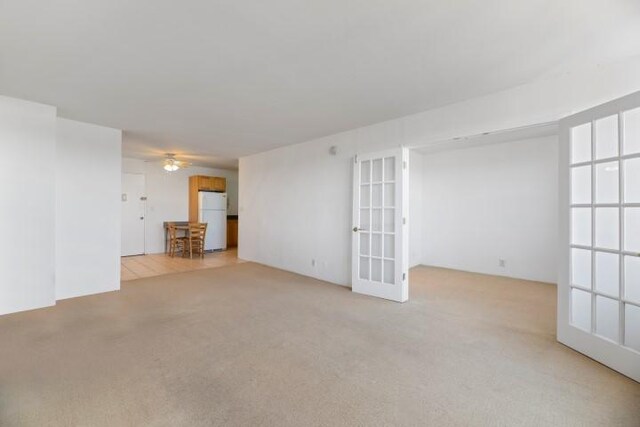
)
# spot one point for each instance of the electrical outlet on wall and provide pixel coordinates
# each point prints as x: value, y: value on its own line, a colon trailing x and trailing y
x: 502, y: 263
x: 313, y: 262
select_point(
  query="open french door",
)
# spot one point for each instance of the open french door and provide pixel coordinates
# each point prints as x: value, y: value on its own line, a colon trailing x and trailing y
x: 380, y: 243
x: 599, y: 264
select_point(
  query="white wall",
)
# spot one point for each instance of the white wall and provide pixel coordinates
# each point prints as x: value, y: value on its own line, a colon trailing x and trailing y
x: 27, y: 205
x: 493, y: 202
x: 295, y: 201
x: 416, y: 207
x: 88, y: 164
x: 168, y: 196
x: 59, y: 207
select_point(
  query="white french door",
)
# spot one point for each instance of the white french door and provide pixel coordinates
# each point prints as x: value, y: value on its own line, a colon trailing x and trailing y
x: 599, y: 268
x: 380, y: 225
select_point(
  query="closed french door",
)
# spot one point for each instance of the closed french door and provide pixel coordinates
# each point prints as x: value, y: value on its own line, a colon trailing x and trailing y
x: 599, y: 281
x: 380, y: 225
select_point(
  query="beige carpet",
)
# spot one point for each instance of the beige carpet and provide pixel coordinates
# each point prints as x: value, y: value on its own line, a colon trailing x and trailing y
x: 250, y: 345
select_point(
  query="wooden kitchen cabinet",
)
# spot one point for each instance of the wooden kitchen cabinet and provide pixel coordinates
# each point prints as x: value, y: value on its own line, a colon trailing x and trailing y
x: 232, y: 232
x: 203, y: 183
x: 218, y: 184
x: 208, y: 183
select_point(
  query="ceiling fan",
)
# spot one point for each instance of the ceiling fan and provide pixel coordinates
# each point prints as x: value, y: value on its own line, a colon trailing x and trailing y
x: 171, y: 164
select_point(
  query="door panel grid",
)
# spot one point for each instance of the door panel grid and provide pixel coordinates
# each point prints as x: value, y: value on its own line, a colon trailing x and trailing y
x: 604, y: 156
x: 377, y: 220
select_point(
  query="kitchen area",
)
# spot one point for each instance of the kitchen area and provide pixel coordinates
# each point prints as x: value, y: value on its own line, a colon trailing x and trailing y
x: 152, y: 198
x: 209, y: 204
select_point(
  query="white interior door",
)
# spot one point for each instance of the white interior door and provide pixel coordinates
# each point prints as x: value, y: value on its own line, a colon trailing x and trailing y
x: 380, y: 245
x: 133, y: 214
x: 599, y: 269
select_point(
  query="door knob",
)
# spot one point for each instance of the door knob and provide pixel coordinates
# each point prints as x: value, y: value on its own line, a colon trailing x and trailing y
x: 356, y: 229
x: 141, y: 217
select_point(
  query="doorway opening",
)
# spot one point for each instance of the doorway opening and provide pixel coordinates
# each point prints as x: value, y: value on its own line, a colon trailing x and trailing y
x: 487, y: 203
x: 556, y: 203
x: 153, y: 198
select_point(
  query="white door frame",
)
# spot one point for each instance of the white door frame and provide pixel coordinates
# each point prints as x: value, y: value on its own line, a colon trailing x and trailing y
x: 377, y: 283
x: 611, y: 352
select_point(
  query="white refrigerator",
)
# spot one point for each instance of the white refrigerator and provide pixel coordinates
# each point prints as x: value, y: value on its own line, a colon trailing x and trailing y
x: 213, y: 211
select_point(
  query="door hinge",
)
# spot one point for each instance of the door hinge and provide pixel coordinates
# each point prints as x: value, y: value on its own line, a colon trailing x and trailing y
x: 404, y: 221
x: 404, y: 276
x: 404, y: 164
x: 355, y: 159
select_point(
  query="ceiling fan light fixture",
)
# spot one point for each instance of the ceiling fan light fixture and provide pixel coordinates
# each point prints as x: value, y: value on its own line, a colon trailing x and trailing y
x: 171, y: 165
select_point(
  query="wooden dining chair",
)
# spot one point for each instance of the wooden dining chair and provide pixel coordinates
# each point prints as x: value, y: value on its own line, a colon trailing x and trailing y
x: 195, y: 239
x: 175, y: 243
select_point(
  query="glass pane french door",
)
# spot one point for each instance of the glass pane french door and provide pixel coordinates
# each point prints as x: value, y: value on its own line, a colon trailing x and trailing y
x: 379, y: 225
x: 599, y: 286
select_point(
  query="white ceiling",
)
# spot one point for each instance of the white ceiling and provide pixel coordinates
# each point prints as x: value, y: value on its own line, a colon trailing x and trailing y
x: 221, y: 79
